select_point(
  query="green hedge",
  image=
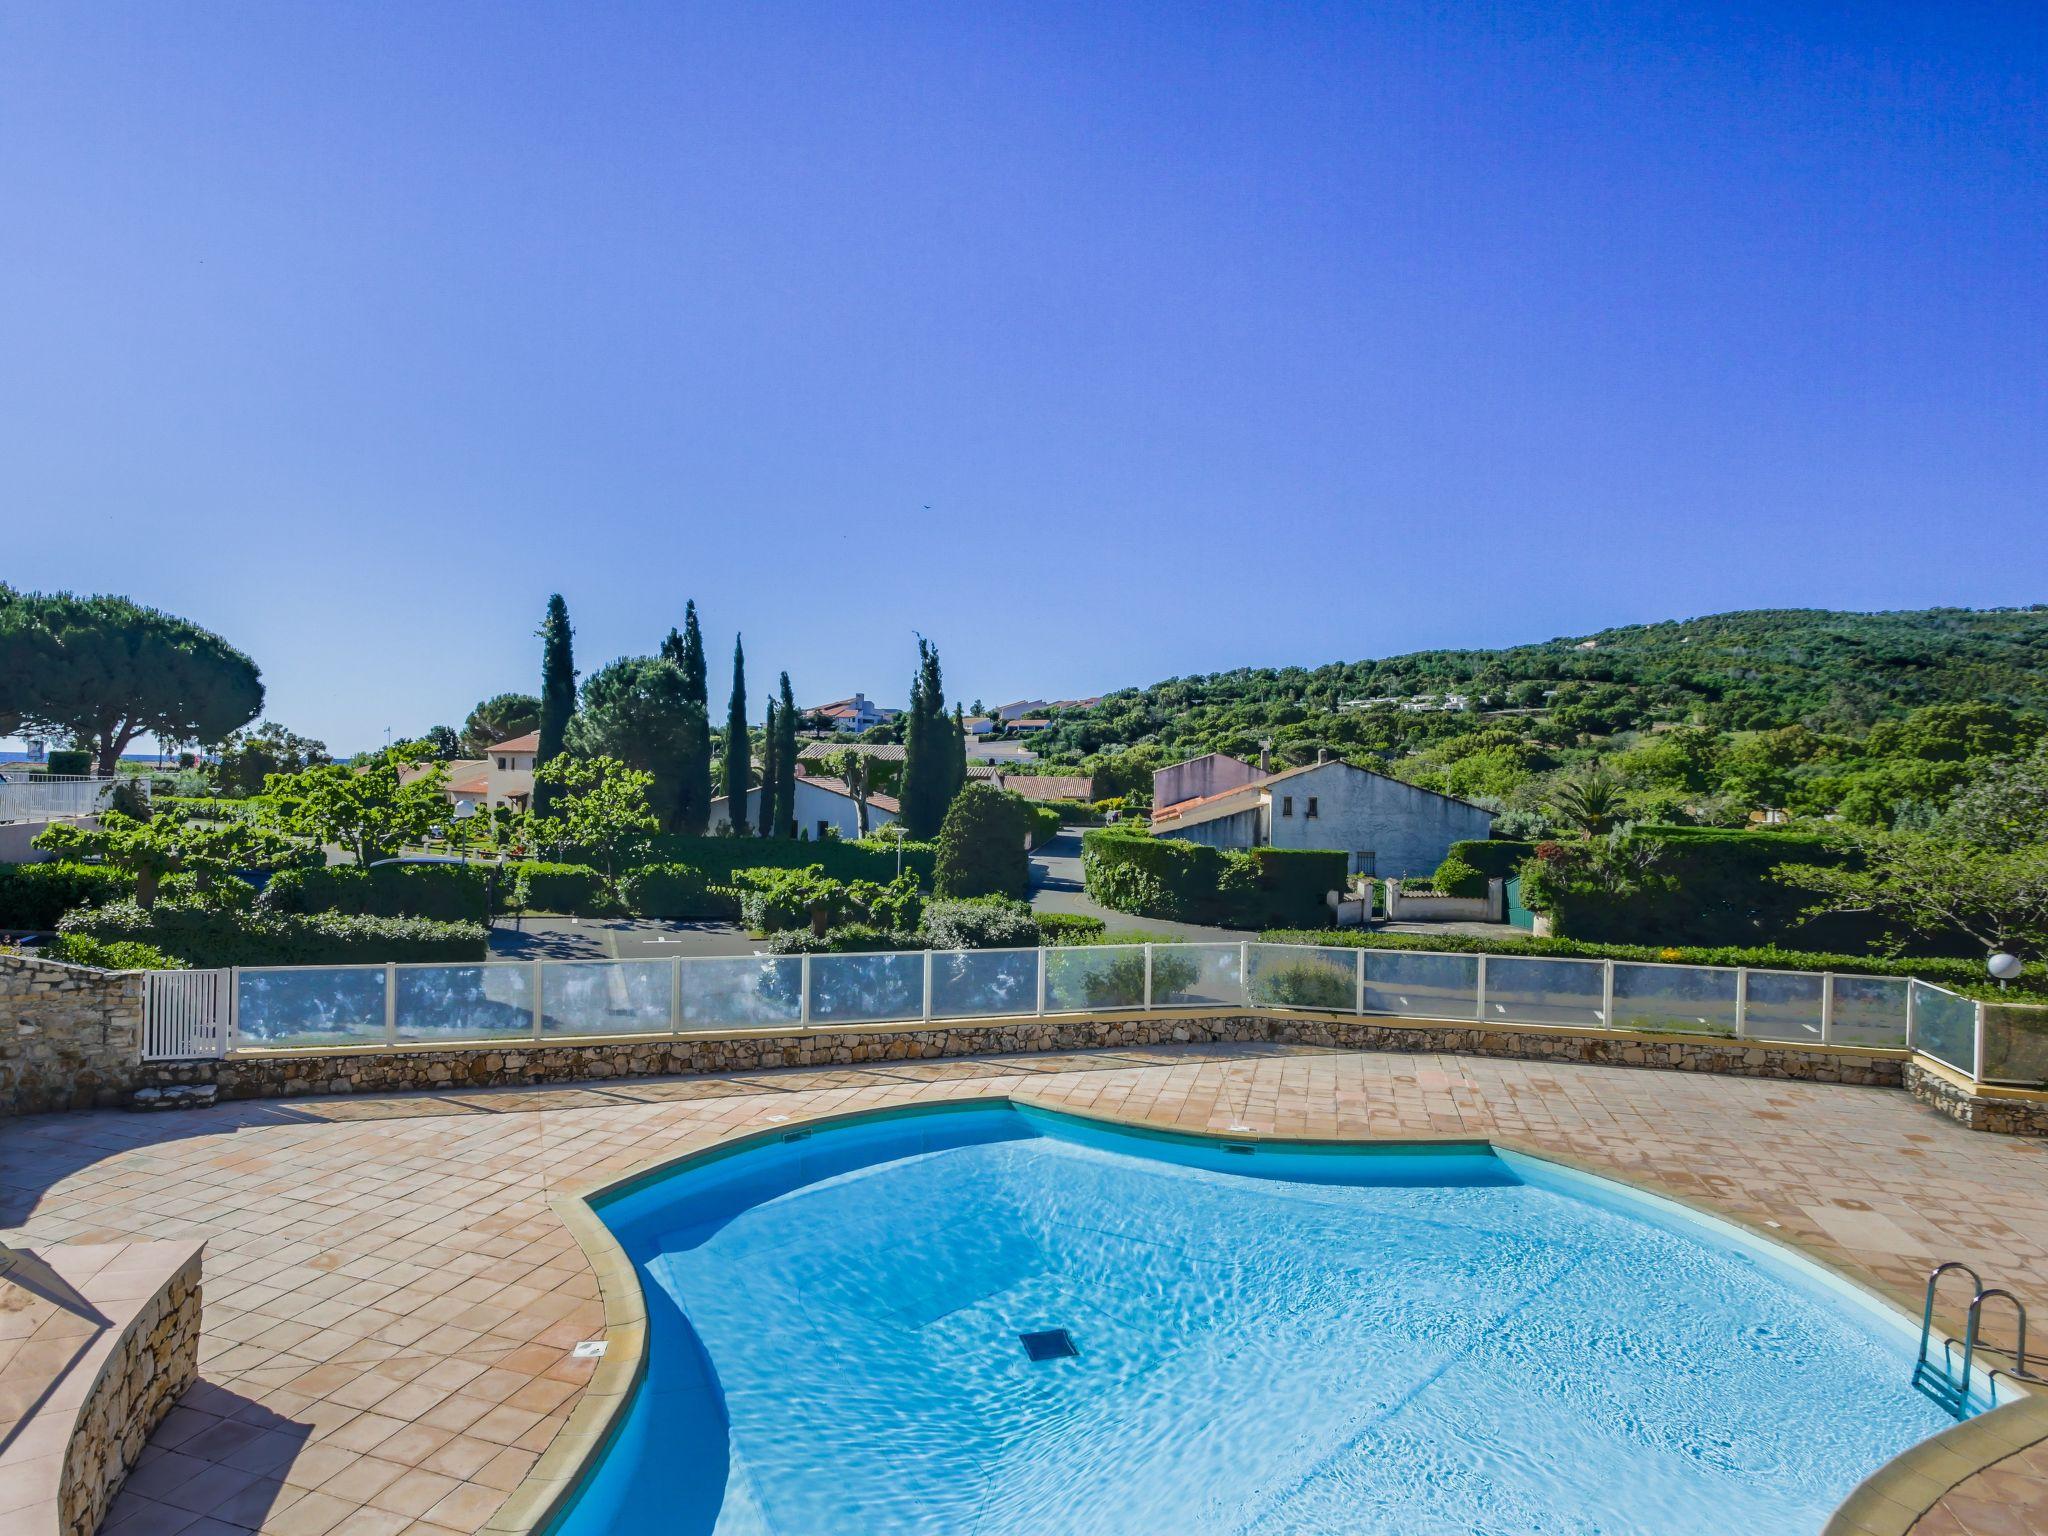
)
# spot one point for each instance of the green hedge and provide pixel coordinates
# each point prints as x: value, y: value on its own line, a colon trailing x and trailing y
x: 1068, y: 928
x: 720, y: 858
x: 1956, y: 974
x: 111, y: 954
x: 1193, y: 883
x: 34, y: 896
x: 451, y: 893
x: 676, y: 890
x: 209, y: 936
x: 1469, y: 864
x: 1045, y: 825
x: 572, y: 888
x: 979, y: 922
x: 981, y: 844
x: 67, y: 761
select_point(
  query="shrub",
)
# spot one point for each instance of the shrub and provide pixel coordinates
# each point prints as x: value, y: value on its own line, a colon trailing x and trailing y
x: 1293, y: 887
x: 720, y: 859
x: 981, y: 844
x: 1121, y: 981
x: 776, y: 900
x: 980, y: 922
x: 111, y: 954
x: 1454, y: 877
x: 68, y: 761
x: 227, y: 893
x: 847, y: 938
x: 1045, y: 824
x: 447, y: 892
x: 574, y: 888
x: 34, y: 896
x: 1067, y: 928
x: 1191, y: 882
x: 898, y: 905
x: 210, y: 936
x: 676, y: 890
x: 1306, y: 984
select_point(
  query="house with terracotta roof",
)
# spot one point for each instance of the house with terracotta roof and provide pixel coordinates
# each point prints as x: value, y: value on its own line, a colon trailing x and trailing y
x: 824, y: 807
x: 853, y: 715
x: 503, y: 777
x: 1386, y: 827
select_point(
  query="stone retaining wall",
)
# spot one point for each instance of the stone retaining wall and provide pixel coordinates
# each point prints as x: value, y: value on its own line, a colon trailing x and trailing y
x: 289, y: 1074
x: 155, y: 1361
x: 70, y: 1036
x: 1979, y: 1111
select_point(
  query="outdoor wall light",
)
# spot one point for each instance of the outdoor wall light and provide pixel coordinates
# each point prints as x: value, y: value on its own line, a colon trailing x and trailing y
x: 2003, y: 967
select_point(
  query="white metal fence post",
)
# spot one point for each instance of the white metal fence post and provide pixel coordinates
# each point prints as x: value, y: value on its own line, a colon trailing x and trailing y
x: 927, y: 1014
x: 390, y: 1003
x: 234, y: 1008
x: 1479, y: 992
x: 1977, y: 1043
x: 1360, y: 978
x: 1607, y: 994
x: 1912, y: 1018
x: 539, y: 998
x: 1148, y: 977
x: 1827, y: 1007
x: 803, y: 1013
x: 675, y: 996
x: 1742, y: 1002
x: 1043, y: 956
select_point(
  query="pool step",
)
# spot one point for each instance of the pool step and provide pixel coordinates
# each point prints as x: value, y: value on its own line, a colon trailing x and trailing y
x: 1944, y: 1380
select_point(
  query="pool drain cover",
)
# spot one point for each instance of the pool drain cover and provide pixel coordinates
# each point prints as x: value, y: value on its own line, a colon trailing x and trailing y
x: 1053, y: 1344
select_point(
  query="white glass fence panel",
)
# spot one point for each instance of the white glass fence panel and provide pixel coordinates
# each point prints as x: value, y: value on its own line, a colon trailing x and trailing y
x: 1784, y: 1005
x: 866, y: 989
x: 2016, y: 1044
x: 1197, y: 976
x: 1525, y: 990
x: 1674, y: 999
x: 1869, y: 1010
x: 741, y: 992
x: 605, y: 997
x: 972, y: 983
x: 1945, y: 1026
x: 437, y: 1003
x: 1300, y: 976
x: 1080, y: 980
x: 1421, y: 985
x: 279, y: 1008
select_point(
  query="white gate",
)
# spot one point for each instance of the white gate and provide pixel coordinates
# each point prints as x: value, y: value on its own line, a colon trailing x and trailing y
x: 185, y: 1014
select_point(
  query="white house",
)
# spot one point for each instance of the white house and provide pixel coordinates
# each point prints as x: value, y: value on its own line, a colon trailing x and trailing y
x: 504, y: 777
x: 854, y: 715
x: 821, y: 804
x: 1389, y: 828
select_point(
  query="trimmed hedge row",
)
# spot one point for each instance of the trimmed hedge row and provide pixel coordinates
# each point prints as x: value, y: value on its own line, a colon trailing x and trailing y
x: 572, y: 888
x: 719, y: 858
x: 1194, y: 883
x: 447, y: 892
x: 1469, y: 864
x: 111, y: 954
x: 34, y: 896
x: 209, y: 936
x: 1958, y: 975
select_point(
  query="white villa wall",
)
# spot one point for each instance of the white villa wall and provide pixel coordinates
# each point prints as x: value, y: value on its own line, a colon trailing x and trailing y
x: 1407, y: 830
x: 1200, y: 777
x: 814, y: 804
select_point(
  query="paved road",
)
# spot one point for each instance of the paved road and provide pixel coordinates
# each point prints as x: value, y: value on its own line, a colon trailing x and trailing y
x: 1056, y: 887
x: 614, y: 938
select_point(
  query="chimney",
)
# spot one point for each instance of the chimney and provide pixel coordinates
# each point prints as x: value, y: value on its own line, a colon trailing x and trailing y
x: 1322, y: 755
x: 1265, y: 758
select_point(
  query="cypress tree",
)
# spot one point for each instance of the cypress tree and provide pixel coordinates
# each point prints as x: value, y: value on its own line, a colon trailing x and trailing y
x: 765, y: 822
x: 739, y: 746
x: 785, y: 762
x: 959, y: 761
x: 931, y: 749
x: 693, y: 787
x: 557, y: 691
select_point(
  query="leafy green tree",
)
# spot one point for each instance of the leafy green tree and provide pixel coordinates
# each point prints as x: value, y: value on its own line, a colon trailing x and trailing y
x: 248, y: 757
x: 771, y: 739
x: 1922, y: 887
x: 638, y: 710
x: 557, y: 694
x: 785, y: 762
x: 686, y: 650
x: 106, y: 671
x: 442, y: 743
x: 739, y: 746
x: 501, y: 717
x: 981, y: 848
x: 1589, y: 802
x: 2005, y: 808
x: 372, y: 811
x: 601, y: 810
x: 852, y: 769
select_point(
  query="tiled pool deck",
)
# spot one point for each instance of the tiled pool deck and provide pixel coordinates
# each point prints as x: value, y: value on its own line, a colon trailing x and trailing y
x: 390, y: 1303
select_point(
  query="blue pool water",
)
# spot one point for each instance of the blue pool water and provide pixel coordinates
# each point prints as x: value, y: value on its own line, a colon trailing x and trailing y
x: 1419, y: 1343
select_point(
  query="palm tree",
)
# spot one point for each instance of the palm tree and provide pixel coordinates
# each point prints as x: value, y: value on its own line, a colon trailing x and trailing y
x: 1589, y: 801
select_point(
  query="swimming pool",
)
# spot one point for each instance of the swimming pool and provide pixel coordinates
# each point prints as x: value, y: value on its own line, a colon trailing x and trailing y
x: 1265, y: 1341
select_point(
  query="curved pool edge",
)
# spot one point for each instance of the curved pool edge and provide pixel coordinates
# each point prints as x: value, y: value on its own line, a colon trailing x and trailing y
x: 1883, y: 1504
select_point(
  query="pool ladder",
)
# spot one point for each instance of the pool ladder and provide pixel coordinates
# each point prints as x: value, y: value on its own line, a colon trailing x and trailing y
x: 1945, y: 1380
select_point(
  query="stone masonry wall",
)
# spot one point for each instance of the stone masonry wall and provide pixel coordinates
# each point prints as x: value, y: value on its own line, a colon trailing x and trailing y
x: 70, y: 1037
x: 155, y: 1361
x: 1980, y: 1112
x: 293, y: 1074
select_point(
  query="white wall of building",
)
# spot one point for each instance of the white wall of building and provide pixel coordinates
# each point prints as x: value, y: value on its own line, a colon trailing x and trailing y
x: 816, y: 806
x: 1200, y: 777
x: 1387, y: 827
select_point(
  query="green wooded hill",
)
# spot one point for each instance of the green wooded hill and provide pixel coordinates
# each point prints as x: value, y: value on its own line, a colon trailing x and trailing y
x: 1745, y: 671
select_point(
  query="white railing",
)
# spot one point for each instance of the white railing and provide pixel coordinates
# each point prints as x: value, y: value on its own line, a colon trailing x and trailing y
x: 23, y: 798
x: 515, y: 1002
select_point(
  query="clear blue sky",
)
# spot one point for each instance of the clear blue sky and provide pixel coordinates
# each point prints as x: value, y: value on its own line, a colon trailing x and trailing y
x: 1101, y: 343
